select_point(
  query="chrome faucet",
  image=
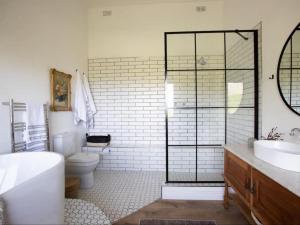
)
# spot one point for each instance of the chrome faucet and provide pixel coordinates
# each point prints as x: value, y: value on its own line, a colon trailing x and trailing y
x: 294, y: 130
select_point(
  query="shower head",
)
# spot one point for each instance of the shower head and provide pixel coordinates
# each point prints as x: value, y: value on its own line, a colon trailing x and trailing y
x: 202, y: 61
x: 242, y: 36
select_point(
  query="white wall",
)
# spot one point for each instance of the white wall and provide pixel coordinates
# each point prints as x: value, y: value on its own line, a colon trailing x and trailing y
x: 279, y: 18
x: 138, y: 29
x: 36, y: 36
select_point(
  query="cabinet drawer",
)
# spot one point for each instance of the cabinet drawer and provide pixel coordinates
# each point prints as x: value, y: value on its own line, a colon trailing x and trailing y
x: 238, y: 174
x: 272, y: 203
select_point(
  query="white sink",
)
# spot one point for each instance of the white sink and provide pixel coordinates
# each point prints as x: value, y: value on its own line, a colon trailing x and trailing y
x: 282, y: 154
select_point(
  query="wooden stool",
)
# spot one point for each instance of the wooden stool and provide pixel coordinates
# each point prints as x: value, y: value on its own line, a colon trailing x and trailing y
x: 72, y: 185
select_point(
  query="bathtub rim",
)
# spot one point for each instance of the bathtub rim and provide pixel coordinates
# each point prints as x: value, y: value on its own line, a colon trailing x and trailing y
x: 60, y: 160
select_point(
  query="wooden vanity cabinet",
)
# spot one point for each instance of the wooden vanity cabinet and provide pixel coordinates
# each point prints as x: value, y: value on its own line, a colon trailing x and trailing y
x: 270, y: 203
x: 238, y: 175
x: 273, y: 204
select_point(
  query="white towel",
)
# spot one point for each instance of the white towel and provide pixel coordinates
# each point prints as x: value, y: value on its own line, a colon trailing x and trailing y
x: 79, y: 108
x: 90, y: 103
x: 84, y: 107
x: 36, y: 129
x: 35, y: 114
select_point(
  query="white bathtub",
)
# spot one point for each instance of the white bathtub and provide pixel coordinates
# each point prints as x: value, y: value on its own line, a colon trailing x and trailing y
x: 32, y: 187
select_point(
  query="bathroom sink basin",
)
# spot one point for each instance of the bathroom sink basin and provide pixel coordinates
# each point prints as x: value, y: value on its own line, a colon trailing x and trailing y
x: 282, y: 154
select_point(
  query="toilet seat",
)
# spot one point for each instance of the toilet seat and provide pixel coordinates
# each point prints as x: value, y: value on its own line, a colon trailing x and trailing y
x: 82, y: 159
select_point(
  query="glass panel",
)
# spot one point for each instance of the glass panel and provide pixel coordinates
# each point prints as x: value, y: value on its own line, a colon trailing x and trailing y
x: 210, y: 51
x: 286, y: 57
x: 240, y: 126
x: 211, y: 88
x: 239, y: 51
x: 184, y: 91
x: 182, y: 163
x: 182, y: 126
x: 240, y: 88
x: 295, y: 88
x: 285, y: 82
x: 211, y: 126
x: 296, y: 49
x: 210, y: 165
x: 181, y: 51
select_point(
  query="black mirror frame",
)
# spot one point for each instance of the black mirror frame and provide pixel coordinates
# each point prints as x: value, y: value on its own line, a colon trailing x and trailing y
x: 278, y: 70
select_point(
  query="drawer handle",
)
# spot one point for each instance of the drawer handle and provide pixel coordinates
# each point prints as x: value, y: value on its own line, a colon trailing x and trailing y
x: 253, y: 189
x: 247, y: 184
x: 255, y: 219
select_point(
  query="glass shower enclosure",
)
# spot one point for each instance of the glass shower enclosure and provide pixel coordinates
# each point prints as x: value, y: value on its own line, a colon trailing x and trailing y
x: 211, y: 85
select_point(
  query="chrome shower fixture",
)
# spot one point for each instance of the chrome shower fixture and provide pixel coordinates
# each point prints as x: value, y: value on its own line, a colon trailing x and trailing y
x: 202, y: 61
x: 241, y: 35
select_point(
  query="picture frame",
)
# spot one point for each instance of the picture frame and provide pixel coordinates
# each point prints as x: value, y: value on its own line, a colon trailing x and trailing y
x: 60, y: 91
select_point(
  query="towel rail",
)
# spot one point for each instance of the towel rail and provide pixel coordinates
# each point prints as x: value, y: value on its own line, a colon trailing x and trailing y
x: 20, y: 144
x: 21, y: 127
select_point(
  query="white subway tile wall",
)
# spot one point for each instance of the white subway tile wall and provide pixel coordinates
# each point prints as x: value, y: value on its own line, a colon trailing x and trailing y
x: 258, y: 27
x: 129, y: 95
x: 130, y: 99
x: 240, y: 121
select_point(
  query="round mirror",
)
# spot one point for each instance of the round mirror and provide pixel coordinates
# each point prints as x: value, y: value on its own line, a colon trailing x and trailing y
x: 288, y: 71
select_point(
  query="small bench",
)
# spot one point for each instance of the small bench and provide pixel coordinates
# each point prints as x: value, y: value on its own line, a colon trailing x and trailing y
x: 72, y: 185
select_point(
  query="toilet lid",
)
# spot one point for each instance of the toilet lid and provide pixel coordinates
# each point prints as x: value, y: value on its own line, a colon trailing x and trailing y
x: 82, y: 157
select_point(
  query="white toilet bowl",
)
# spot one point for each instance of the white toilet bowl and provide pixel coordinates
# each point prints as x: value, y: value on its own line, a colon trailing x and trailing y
x: 80, y: 164
x: 83, y: 164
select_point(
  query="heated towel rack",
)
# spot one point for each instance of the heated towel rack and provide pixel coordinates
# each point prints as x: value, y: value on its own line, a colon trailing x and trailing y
x: 38, y: 145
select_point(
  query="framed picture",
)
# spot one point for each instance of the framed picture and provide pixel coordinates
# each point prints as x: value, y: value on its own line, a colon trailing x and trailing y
x: 60, y: 91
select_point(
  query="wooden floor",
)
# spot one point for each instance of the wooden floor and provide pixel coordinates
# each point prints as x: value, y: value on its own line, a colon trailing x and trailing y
x: 193, y: 210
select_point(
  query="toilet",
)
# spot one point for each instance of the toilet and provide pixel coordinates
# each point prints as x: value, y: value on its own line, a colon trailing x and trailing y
x: 80, y: 164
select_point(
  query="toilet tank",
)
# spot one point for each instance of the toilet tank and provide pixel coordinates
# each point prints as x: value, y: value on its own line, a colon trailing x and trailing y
x: 63, y: 143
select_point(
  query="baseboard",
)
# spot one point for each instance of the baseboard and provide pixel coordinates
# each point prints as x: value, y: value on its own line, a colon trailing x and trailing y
x: 192, y: 193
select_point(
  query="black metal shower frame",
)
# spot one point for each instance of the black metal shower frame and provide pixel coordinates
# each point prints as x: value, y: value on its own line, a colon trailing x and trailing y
x: 225, y: 69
